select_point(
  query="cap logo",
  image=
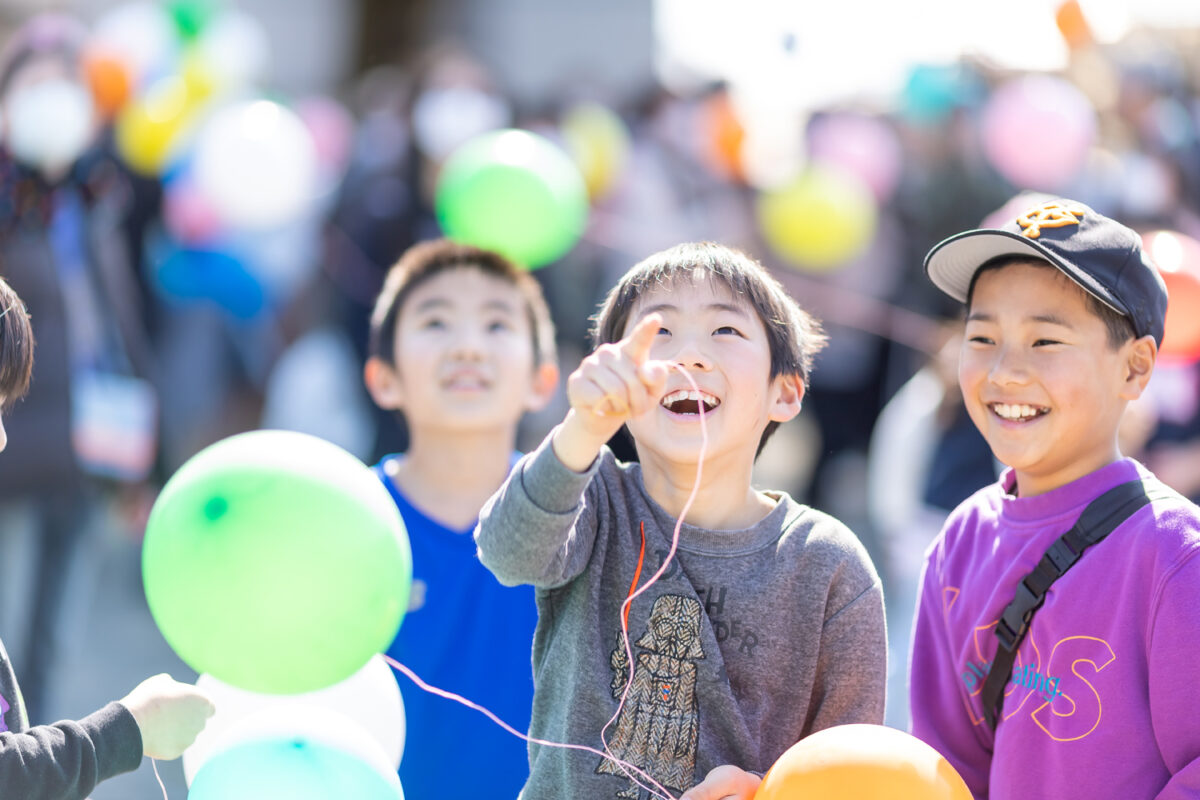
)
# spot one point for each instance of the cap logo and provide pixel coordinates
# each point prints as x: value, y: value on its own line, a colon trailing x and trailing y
x: 1048, y: 215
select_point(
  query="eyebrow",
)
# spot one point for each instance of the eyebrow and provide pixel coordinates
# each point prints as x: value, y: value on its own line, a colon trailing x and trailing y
x: 1049, y: 318
x: 730, y: 307
x: 435, y: 303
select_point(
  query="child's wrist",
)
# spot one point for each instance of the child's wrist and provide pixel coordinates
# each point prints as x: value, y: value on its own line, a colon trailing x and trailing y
x: 575, y: 444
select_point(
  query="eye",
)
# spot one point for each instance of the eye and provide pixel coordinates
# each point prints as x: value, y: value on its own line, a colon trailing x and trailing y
x: 1046, y: 342
x: 980, y: 339
x: 433, y: 324
x: 728, y: 330
x: 499, y: 326
x: 663, y: 332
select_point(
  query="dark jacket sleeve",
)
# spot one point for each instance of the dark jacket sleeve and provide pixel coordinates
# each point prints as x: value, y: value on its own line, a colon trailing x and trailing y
x: 66, y: 760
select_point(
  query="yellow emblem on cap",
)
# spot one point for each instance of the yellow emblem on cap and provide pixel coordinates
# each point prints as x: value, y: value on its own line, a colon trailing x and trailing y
x: 1049, y: 215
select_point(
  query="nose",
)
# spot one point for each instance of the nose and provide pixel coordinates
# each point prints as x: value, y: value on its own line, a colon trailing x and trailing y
x: 467, y: 344
x: 690, y: 354
x: 1008, y: 367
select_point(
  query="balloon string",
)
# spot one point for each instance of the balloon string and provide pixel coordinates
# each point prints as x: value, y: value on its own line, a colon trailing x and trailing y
x: 624, y: 615
x: 629, y: 769
x: 488, y: 713
x: 154, y: 766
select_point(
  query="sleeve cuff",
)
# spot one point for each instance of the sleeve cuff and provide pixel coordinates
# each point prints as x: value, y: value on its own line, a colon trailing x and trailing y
x: 117, y: 738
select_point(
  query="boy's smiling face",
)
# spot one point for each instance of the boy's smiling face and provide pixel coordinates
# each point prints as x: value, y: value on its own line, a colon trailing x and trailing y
x: 1040, y: 379
x: 722, y: 343
x: 464, y: 357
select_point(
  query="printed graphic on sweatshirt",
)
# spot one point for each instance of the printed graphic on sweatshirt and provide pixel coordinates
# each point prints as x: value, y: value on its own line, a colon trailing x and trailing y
x: 659, y: 724
x: 748, y: 640
x: 1055, y: 687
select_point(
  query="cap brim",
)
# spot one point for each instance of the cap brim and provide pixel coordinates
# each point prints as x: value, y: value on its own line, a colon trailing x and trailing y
x: 953, y: 263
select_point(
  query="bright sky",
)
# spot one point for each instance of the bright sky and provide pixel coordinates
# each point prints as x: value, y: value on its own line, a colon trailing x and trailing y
x: 805, y: 53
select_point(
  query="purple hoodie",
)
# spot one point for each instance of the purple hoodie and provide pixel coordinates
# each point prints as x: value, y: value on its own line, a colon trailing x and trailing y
x: 1103, y: 699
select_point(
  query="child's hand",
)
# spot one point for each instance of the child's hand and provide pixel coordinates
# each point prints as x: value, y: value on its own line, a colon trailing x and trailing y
x: 613, y: 384
x: 618, y: 381
x: 725, y: 782
x: 170, y: 715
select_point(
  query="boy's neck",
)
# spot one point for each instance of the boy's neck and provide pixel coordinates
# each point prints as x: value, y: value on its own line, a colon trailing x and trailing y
x: 726, y: 501
x: 450, y: 475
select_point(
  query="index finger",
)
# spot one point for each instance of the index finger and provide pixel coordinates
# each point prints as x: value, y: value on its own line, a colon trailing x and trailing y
x: 637, y: 344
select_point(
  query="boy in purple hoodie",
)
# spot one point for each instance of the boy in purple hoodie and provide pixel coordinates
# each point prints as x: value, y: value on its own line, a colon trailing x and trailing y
x: 1064, y: 320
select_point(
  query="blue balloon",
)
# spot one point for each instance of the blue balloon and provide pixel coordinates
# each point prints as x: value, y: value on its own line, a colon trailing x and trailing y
x: 192, y: 275
x: 289, y: 769
x: 933, y: 91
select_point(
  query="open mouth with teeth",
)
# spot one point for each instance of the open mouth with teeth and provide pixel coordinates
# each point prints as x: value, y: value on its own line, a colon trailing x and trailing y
x: 689, y: 402
x: 1018, y: 412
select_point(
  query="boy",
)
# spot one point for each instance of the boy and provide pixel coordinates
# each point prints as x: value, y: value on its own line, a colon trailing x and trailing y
x: 767, y: 624
x: 461, y: 343
x: 160, y: 718
x: 1064, y: 319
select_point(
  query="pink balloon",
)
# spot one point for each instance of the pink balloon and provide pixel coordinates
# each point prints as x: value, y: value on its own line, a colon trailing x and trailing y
x: 1037, y: 131
x: 860, y: 144
x: 188, y: 214
x: 331, y: 127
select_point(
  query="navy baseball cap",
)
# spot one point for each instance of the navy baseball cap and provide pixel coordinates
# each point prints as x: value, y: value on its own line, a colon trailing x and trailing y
x: 1100, y: 254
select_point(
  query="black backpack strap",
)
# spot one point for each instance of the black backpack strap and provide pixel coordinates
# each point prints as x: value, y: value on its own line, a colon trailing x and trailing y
x: 1098, y: 520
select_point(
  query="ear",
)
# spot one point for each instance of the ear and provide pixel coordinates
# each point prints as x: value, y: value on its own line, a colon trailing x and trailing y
x: 383, y: 383
x: 1139, y: 366
x: 789, y: 391
x: 545, y: 383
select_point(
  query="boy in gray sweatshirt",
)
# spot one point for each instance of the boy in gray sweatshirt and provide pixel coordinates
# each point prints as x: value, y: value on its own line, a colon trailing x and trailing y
x: 766, y: 624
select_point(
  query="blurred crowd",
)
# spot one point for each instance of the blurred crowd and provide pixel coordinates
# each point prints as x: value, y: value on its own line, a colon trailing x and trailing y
x: 200, y: 255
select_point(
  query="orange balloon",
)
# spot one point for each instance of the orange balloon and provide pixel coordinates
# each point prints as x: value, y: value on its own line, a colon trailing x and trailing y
x: 1177, y: 257
x: 110, y: 82
x: 1073, y: 25
x: 725, y: 135
x: 862, y: 762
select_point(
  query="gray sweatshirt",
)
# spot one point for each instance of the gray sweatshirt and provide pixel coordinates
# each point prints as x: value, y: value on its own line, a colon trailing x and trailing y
x: 751, y: 640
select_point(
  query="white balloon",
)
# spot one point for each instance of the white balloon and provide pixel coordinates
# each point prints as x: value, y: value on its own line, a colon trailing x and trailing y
x: 235, y: 47
x: 369, y: 697
x: 142, y: 34
x: 257, y: 164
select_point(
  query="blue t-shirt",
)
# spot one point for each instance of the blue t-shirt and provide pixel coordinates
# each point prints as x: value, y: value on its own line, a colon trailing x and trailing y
x: 466, y: 633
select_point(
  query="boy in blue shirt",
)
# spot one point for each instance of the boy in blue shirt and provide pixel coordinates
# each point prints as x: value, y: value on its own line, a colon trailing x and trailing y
x: 461, y: 343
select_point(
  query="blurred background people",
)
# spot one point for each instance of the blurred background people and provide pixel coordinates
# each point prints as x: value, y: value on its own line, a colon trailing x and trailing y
x: 89, y: 423
x: 199, y: 199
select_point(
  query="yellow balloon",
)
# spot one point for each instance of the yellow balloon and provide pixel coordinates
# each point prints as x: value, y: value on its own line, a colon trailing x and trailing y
x: 148, y: 131
x: 863, y: 762
x: 820, y: 220
x: 200, y: 80
x: 598, y: 141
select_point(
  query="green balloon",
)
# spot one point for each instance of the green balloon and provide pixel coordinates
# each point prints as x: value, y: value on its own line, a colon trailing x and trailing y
x: 288, y: 769
x: 191, y: 17
x: 276, y: 562
x: 514, y: 192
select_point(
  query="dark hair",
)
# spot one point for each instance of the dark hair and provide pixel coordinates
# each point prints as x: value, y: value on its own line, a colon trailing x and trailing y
x: 16, y: 346
x: 1119, y: 327
x: 426, y: 260
x: 793, y: 335
x: 51, y: 34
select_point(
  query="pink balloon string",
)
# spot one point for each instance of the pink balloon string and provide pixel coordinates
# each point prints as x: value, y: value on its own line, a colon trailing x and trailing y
x: 633, y: 772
